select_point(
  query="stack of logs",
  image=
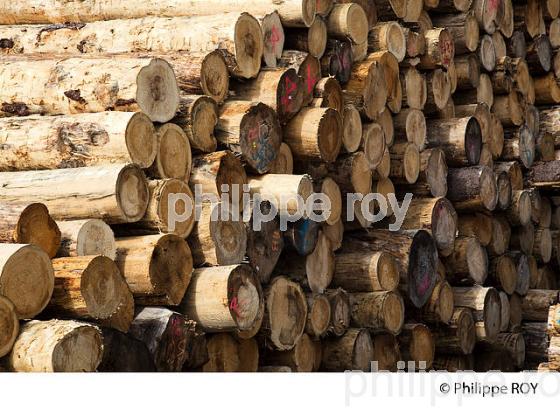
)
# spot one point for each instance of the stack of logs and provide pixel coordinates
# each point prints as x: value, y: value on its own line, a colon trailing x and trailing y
x: 111, y: 116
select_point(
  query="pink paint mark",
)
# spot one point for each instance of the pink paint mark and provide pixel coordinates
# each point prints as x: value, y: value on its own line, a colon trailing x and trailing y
x: 493, y: 5
x: 274, y: 36
x: 234, y: 305
x: 289, y: 89
x: 311, y: 80
x: 253, y: 134
x: 424, y: 284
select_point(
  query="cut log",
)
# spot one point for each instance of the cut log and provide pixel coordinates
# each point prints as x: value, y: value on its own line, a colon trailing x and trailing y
x: 315, y: 134
x: 514, y: 172
x: 459, y: 336
x: 312, y: 40
x: 467, y: 68
x: 547, y: 90
x: 251, y: 130
x: 330, y: 213
x: 512, y: 344
x: 523, y: 238
x: 308, y: 69
x: 515, y: 313
x: 472, y: 188
x: 523, y: 273
x: 26, y: 278
x: 432, y: 178
x: 167, y: 335
x: 223, y: 354
x: 373, y: 145
x: 56, y: 346
x: 173, y: 158
x: 124, y: 353
x: 285, y: 313
x: 505, y: 192
x: 340, y: 311
x: 299, y: 359
x: 503, y: 273
x: 519, y: 213
x: 439, y: 307
x: 348, y: 21
x: 157, y: 268
x: 411, y: 123
x: 29, y: 224
x: 285, y: 192
x: 284, y: 162
x: 468, y: 264
x: 318, y: 315
x: 414, y: 89
x: 440, y: 49
x: 463, y: 28
x: 386, y: 352
x: 337, y: 60
x: 302, y: 236
x: 478, y: 225
x: 197, y: 117
x: 114, y: 193
x: 417, y: 344
x: 273, y: 38
x: 485, y: 305
x: 388, y: 36
x: 415, y: 43
x: 352, y: 351
x: 501, y: 234
x: 505, y: 311
x: 84, y: 237
x: 76, y: 140
x: 539, y: 55
x: 377, y: 311
x: 460, y: 139
x: 89, y: 85
x: 487, y: 53
x: 335, y: 234
x: 327, y: 93
x: 9, y: 324
x: 439, y: 90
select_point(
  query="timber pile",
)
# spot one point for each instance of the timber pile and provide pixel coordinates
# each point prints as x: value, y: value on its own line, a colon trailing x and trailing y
x: 108, y: 113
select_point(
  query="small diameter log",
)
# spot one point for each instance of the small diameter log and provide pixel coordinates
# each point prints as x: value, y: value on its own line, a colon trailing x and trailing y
x: 223, y: 354
x: 218, y: 174
x: 503, y: 273
x: 460, y: 139
x: 351, y: 128
x: 505, y: 312
x: 318, y: 315
x: 285, y: 313
x: 314, y: 271
x: 352, y: 351
x: 432, y: 178
x: 487, y: 53
x: 251, y: 130
x: 85, y: 237
x: 467, y: 68
x: 439, y: 307
x: 331, y: 190
x: 512, y: 344
x: 485, y: 305
x: 264, y: 241
x: 463, y: 28
x: 435, y: 215
x: 273, y: 38
x: 505, y: 192
x: 521, y: 147
x: 472, y: 188
x: 468, y: 264
x: 279, y: 88
x: 299, y: 359
x: 415, y: 43
x: 501, y: 234
x: 144, y: 84
x: 386, y: 352
x: 124, y: 353
x: 388, y: 36
x: 523, y: 273
x: 508, y: 109
x: 459, y: 336
x: 478, y: 225
x: 335, y: 234
x: 26, y: 278
x: 338, y: 60
x: 411, y: 123
x: 315, y: 134
x: 547, y: 90
x: 539, y: 55
x: 514, y: 172
x: 373, y: 146
x: 348, y: 21
x: 174, y: 158
x: 327, y: 93
x: 366, y: 87
x: 536, y: 304
x: 357, y: 270
x: 284, y: 162
x: 308, y: 69
x: 167, y: 335
x: 536, y: 343
x: 56, y: 346
x: 197, y: 117
x: 440, y: 49
x: 9, y: 325
x: 340, y: 311
x: 223, y: 298
x: 483, y: 93
x: 416, y: 256
x: 283, y: 191
x: 29, y: 224
x: 377, y: 311
x: 91, y: 288
x: 519, y: 212
x: 157, y: 268
x: 302, y: 236
x: 414, y: 88
x: 312, y: 40
x: 115, y: 193
x: 78, y: 140
x: 417, y: 344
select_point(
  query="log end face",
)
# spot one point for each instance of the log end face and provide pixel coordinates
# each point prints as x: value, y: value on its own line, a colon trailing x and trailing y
x: 245, y: 297
x: 289, y: 95
x: 436, y: 173
x: 362, y: 354
x: 488, y: 189
x: 393, y: 313
x: 422, y: 346
x: 466, y: 331
x: 330, y: 135
x: 249, y: 46
x: 477, y: 261
x: 141, y: 141
x: 204, y: 120
x: 176, y: 194
x: 274, y: 37
x: 174, y: 158
x: 491, y: 314
x: 157, y: 92
x: 309, y: 11
x: 320, y: 315
x: 444, y: 226
x: 387, y: 271
x: 80, y: 350
x: 132, y: 193
x: 446, y: 303
x: 422, y: 268
x: 214, y: 76
x: 317, y: 38
x: 9, y: 324
x: 36, y: 227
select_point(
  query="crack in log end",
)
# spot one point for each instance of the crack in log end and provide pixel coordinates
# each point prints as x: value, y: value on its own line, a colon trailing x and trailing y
x: 54, y: 27
x: 155, y: 88
x: 75, y: 95
x: 6, y: 43
x: 19, y: 109
x: 123, y: 103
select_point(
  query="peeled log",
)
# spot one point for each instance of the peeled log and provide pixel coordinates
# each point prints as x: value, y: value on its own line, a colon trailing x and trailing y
x: 26, y: 278
x: 84, y: 237
x: 352, y: 351
x: 29, y: 224
x: 78, y: 140
x: 223, y: 298
x: 251, y: 130
x: 115, y: 193
x: 56, y: 346
x: 157, y: 268
x: 88, y: 85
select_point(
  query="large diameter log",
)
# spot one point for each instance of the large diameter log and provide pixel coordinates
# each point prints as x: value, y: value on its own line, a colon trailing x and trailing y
x: 251, y: 130
x: 223, y: 298
x: 285, y: 313
x: 197, y: 117
x: 9, y: 325
x: 115, y: 193
x: 416, y: 255
x: 352, y: 351
x: 485, y: 305
x: 56, y: 346
x: 359, y: 271
x: 460, y: 139
x: 377, y: 311
x: 76, y: 140
x: 417, y: 344
x: 167, y: 335
x: 31, y: 224
x: 91, y: 288
x: 83, y: 237
x: 472, y: 188
x: 157, y: 268
x: 26, y: 278
x: 459, y: 336
x: 468, y: 263
x: 315, y: 134
x: 308, y: 69
x: 436, y: 215
x: 89, y: 85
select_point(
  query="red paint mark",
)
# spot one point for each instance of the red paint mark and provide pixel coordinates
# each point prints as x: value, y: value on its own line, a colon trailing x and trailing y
x: 276, y: 241
x: 234, y: 305
x: 424, y: 284
x: 253, y: 134
x: 493, y: 5
x: 274, y: 36
x: 447, y: 50
x: 289, y: 88
x: 311, y: 80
